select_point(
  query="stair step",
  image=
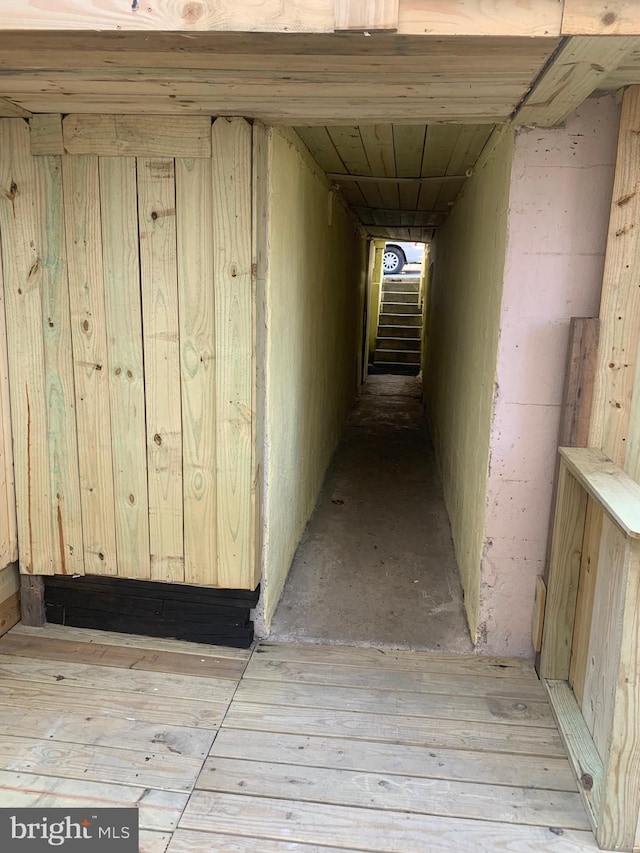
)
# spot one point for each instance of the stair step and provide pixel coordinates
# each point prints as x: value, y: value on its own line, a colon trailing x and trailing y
x: 410, y: 298
x: 399, y: 369
x: 400, y: 285
x: 400, y: 308
x: 414, y: 332
x: 393, y: 355
x: 398, y: 343
x: 392, y: 319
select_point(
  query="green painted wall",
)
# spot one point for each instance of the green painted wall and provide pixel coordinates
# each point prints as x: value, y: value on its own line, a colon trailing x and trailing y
x: 314, y: 338
x: 461, y: 351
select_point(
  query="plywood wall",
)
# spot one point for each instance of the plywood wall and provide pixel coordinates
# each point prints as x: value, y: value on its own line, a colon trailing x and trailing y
x: 129, y: 298
x: 461, y: 352
x: 315, y: 309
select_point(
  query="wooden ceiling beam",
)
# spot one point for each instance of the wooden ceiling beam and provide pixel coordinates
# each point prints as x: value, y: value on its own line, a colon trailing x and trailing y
x: 600, y: 18
x: 427, y: 18
x: 581, y: 66
x: 384, y: 179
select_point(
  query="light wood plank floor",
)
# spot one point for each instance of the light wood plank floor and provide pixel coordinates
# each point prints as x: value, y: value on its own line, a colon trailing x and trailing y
x: 286, y: 748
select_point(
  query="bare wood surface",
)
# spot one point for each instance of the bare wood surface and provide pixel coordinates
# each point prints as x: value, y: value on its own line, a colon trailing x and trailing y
x: 10, y: 612
x: 621, y: 782
x: 620, y: 304
x: 8, y: 521
x: 583, y: 755
x: 381, y: 832
x: 160, y: 328
x: 564, y: 573
x: 537, y: 622
x: 90, y: 361
x: 45, y: 132
x: 59, y: 390
x: 184, y: 662
x: 600, y: 18
x: 22, y: 241
x: 499, y: 17
x: 363, y: 15
x: 137, y: 136
x: 32, y: 600
x: 584, y: 604
x: 196, y: 307
x: 119, y: 203
x: 232, y: 157
x: 616, y: 492
x: 581, y: 66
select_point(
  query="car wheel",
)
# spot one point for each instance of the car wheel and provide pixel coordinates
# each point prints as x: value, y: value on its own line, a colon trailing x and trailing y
x: 392, y: 261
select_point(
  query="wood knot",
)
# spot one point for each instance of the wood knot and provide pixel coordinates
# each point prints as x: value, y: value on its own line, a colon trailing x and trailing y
x: 132, y: 499
x: 192, y: 12
x: 587, y: 781
x: 609, y: 18
x: 118, y: 371
x: 158, y: 439
x: 154, y: 215
x: 85, y: 325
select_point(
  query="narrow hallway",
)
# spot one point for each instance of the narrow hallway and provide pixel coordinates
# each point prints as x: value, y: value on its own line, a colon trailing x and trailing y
x: 376, y: 564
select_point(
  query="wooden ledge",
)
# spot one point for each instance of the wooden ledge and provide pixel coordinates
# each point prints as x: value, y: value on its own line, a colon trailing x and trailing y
x: 608, y: 485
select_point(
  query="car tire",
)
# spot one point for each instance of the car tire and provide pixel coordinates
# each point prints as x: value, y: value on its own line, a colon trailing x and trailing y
x: 392, y: 261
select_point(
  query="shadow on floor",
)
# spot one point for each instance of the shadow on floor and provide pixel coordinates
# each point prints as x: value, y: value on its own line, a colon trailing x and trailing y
x: 376, y: 564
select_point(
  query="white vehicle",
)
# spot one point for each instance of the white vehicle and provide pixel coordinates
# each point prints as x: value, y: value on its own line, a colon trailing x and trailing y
x: 396, y: 255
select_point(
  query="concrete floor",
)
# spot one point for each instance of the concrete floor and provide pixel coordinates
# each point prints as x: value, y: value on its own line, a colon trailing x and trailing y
x: 376, y: 564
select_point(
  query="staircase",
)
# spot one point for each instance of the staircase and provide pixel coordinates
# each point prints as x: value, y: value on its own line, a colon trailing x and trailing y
x: 399, y: 328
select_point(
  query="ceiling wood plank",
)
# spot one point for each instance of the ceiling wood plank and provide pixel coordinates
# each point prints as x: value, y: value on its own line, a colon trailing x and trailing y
x: 428, y: 18
x: 408, y: 143
x: 377, y: 140
x: 580, y: 67
x: 439, y: 144
x: 10, y: 110
x: 369, y: 15
x: 596, y: 17
x: 324, y: 152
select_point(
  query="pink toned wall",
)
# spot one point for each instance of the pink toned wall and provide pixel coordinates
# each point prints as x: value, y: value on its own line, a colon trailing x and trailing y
x: 560, y: 195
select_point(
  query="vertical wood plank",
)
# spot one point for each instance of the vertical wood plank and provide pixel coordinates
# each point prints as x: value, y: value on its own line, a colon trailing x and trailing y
x: 61, y: 435
x: 617, y: 827
x: 620, y: 304
x: 22, y: 268
x: 564, y: 572
x: 231, y: 161
x: 46, y: 134
x: 118, y: 201
x: 91, y: 366
x: 261, y: 195
x: 584, y: 603
x: 575, y: 409
x: 8, y: 530
x: 601, y: 670
x: 158, y: 269
x: 32, y: 601
x: 367, y: 15
x: 197, y: 364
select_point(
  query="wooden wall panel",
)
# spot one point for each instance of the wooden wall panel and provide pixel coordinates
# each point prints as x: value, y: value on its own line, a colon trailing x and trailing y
x: 61, y: 437
x: 131, y: 300
x: 601, y: 670
x: 158, y: 267
x: 620, y: 304
x: 91, y: 365
x: 8, y: 528
x: 126, y: 380
x: 231, y: 158
x: 20, y: 227
x: 197, y: 363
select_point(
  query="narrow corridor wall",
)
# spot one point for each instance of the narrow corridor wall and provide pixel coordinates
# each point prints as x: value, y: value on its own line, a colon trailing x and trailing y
x: 461, y: 350
x: 560, y: 198
x: 314, y: 340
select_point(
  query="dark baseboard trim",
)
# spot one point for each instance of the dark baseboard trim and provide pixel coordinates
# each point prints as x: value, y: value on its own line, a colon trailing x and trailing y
x: 148, y: 608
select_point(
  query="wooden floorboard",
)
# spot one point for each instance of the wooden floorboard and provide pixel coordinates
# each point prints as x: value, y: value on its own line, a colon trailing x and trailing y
x: 287, y: 747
